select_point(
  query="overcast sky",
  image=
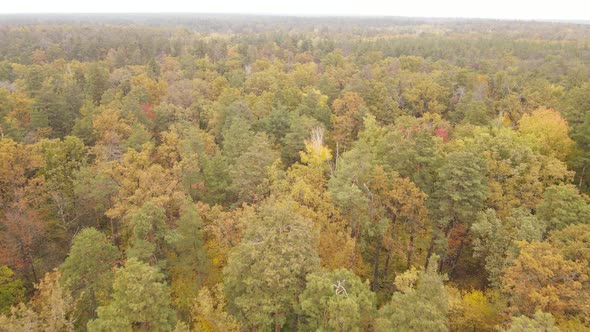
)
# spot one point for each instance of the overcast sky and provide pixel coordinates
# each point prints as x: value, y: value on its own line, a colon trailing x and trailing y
x: 503, y: 9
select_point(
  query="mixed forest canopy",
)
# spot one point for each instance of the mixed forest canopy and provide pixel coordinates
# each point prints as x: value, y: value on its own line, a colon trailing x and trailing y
x: 251, y: 173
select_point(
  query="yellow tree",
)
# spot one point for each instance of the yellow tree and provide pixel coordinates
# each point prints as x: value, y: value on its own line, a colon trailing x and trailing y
x: 540, y: 278
x: 547, y: 132
x: 306, y: 183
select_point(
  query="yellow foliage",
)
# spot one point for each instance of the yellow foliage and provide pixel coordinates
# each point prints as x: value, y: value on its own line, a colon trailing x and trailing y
x: 547, y: 132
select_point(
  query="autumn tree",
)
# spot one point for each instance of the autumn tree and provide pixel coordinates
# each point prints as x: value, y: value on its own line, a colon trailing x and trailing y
x: 21, y: 199
x: 573, y: 241
x: 51, y: 309
x: 547, y: 132
x: 348, y: 113
x: 474, y: 309
x: 306, y: 183
x: 209, y: 311
x: 559, y: 283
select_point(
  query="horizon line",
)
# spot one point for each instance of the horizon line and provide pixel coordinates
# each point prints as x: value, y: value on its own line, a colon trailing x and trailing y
x: 305, y: 15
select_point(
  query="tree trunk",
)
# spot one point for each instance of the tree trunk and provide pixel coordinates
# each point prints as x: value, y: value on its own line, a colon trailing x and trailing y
x: 388, y: 285
x: 115, y: 232
x: 295, y: 323
x: 441, y: 264
x: 429, y: 252
x: 376, y: 266
x: 582, y: 178
x: 277, y: 325
x: 33, y: 266
x: 356, y: 238
x: 458, y: 256
x: 410, y: 249
x: 386, y: 265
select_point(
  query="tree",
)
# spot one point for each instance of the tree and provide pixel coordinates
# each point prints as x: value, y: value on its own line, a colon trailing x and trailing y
x: 347, y: 118
x: 305, y: 182
x: 12, y: 290
x: 337, y: 301
x: 573, y: 241
x: 547, y: 132
x: 265, y: 273
x: 405, y: 204
x: 111, y: 132
x: 141, y: 182
x: 422, y: 304
x: 140, y: 301
x: 249, y: 175
x: 474, y: 310
x: 51, y: 309
x: 188, y: 264
x: 147, y: 233
x: 49, y: 111
x: 237, y: 137
x: 541, y: 321
x: 515, y: 174
x: 294, y: 140
x: 96, y: 81
x: 540, y: 278
x: 315, y: 105
x: 563, y: 205
x: 496, y: 239
x: 87, y: 272
x: 61, y: 160
x: 209, y: 312
x: 348, y: 186
x: 459, y: 198
x: 21, y: 197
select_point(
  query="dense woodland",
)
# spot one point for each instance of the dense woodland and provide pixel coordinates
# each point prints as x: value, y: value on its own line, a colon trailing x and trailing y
x: 243, y: 173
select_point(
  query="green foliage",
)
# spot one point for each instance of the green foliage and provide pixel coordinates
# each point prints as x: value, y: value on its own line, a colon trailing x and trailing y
x: 61, y: 160
x: 12, y: 290
x: 265, y: 273
x: 140, y: 301
x: 87, y: 272
x: 249, y: 174
x: 148, y: 232
x: 495, y: 239
x: 337, y: 301
x: 96, y: 82
x: 188, y: 264
x: 422, y: 304
x: 541, y: 321
x: 562, y: 206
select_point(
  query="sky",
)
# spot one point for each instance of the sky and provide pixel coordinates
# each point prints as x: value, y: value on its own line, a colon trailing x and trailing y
x: 499, y: 9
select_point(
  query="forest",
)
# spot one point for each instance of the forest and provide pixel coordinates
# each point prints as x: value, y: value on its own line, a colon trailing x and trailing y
x: 259, y: 173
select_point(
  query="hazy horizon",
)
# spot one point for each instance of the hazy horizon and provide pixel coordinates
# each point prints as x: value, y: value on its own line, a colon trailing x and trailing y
x: 568, y: 10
